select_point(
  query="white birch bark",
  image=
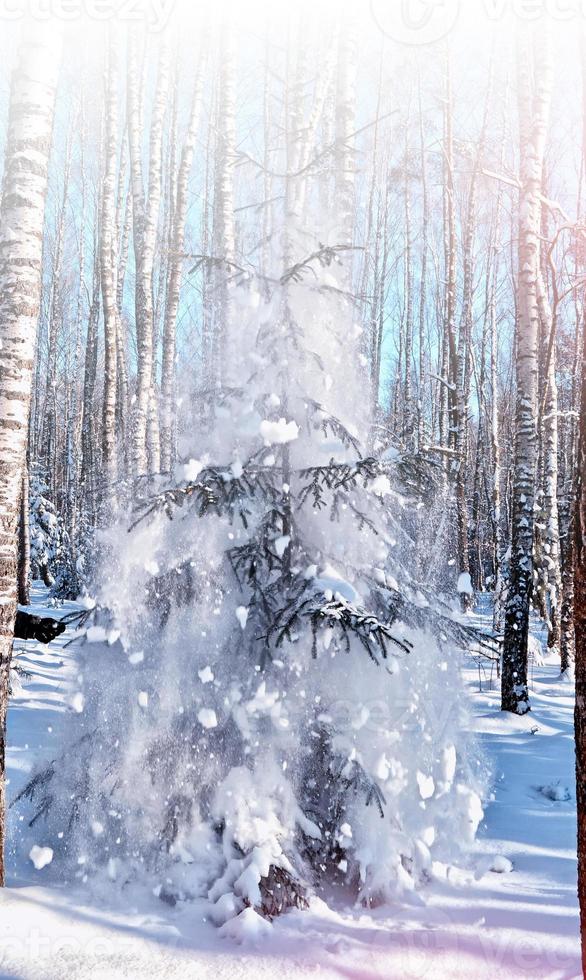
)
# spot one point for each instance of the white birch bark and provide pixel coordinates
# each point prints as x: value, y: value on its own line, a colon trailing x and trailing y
x: 224, y: 223
x: 448, y: 364
x: 308, y: 144
x: 145, y: 452
x: 168, y: 380
x: 535, y: 81
x: 24, y: 543
x: 54, y: 327
x: 87, y: 425
x: 464, y: 354
x: 119, y: 260
x: 495, y: 458
x: 108, y: 280
x: 495, y: 434
x: 21, y: 235
x: 72, y: 427
x: 550, y: 572
x: 345, y: 175
x: 421, y: 428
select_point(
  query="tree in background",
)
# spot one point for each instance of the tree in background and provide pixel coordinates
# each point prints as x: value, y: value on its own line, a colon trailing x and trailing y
x: 535, y: 80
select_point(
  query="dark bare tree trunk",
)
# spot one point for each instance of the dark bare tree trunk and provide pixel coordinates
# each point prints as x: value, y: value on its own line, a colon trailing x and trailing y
x: 580, y: 640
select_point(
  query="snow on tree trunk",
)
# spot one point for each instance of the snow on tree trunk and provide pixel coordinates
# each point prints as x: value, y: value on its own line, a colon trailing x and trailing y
x: 21, y: 235
x: 535, y: 78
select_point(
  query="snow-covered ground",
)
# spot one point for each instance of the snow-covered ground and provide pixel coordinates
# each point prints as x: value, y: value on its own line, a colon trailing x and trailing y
x: 512, y: 914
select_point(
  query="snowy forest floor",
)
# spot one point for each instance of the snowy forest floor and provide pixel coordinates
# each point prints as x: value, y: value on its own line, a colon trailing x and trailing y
x: 478, y: 922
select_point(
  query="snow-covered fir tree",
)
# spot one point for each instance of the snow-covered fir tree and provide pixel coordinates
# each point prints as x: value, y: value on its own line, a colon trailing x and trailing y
x: 270, y: 703
x: 44, y: 529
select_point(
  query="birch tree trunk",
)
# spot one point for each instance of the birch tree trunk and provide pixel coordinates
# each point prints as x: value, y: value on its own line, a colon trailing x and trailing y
x: 22, y: 214
x: 308, y: 145
x: 550, y: 572
x: 421, y: 431
x: 464, y: 354
x: 567, y: 542
x: 174, y: 278
x: 371, y: 263
x: 120, y: 258
x: 108, y: 281
x: 24, y: 542
x: 145, y: 217
x: 87, y: 467
x: 535, y: 79
x: 224, y: 223
x: 495, y: 441
x: 54, y: 327
x: 345, y: 161
x: 73, y: 429
x: 449, y: 357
